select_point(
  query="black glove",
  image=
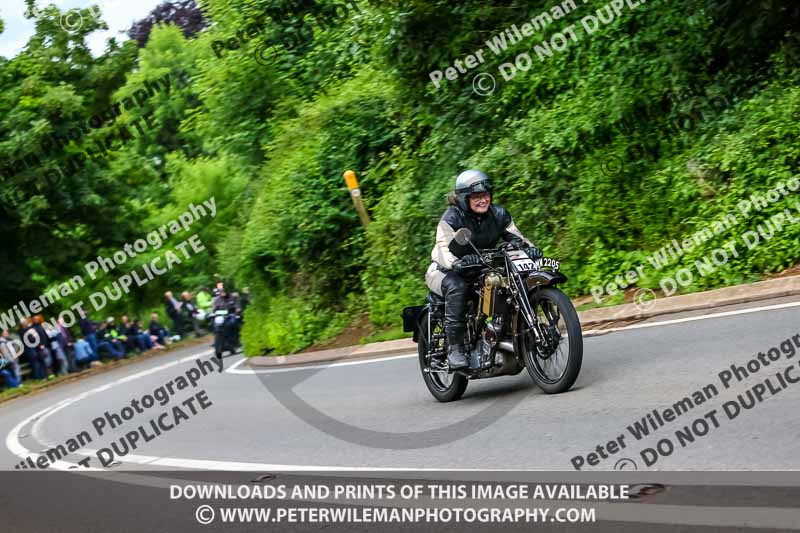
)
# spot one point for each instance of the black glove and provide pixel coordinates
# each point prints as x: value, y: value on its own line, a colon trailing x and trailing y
x: 533, y: 252
x: 467, y: 262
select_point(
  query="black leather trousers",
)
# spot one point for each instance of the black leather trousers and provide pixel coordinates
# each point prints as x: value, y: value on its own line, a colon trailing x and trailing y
x: 454, y: 290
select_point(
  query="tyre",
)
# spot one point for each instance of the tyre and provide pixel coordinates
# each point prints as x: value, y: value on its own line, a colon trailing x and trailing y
x: 444, y: 386
x: 218, y: 348
x: 555, y: 361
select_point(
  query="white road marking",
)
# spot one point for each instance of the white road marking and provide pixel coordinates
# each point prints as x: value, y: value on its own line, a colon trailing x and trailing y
x: 701, y: 317
x: 12, y: 440
x: 234, y: 370
x: 17, y: 448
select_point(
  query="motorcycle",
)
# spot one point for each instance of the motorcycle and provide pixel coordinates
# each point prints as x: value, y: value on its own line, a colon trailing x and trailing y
x: 517, y: 318
x: 226, y: 332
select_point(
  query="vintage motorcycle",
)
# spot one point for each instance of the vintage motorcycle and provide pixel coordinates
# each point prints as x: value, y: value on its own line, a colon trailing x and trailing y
x: 516, y: 318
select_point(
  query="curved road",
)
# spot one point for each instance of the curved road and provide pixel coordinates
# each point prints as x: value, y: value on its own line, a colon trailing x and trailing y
x: 378, y: 414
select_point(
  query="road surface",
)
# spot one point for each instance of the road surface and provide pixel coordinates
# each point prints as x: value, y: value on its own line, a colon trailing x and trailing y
x: 378, y: 414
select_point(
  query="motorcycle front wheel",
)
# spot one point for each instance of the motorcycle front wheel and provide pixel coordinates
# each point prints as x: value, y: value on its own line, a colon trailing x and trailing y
x: 218, y: 346
x: 554, y: 357
x: 443, y: 385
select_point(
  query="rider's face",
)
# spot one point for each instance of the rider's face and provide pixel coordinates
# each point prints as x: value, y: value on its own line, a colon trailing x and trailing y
x: 479, y: 202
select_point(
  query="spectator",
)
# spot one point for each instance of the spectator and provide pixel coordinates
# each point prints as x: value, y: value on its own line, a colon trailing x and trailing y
x: 30, y: 348
x: 88, y: 330
x: 159, y: 331
x: 189, y: 311
x: 204, y: 300
x: 56, y: 350
x: 67, y: 344
x: 115, y: 334
x: 8, y: 362
x: 173, y: 308
x: 84, y: 354
x: 43, y: 347
x: 130, y: 339
x: 139, y: 340
x: 106, y: 343
x: 137, y: 327
x: 8, y: 379
x: 219, y: 287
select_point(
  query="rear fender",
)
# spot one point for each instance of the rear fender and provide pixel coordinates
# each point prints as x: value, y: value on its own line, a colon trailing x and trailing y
x: 411, y: 317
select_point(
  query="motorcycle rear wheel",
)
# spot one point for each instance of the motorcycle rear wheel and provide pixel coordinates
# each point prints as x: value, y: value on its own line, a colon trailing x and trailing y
x: 561, y: 328
x: 444, y: 386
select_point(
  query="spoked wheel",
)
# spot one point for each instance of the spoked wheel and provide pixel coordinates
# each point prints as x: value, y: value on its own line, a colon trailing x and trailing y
x: 444, y: 385
x: 553, y: 361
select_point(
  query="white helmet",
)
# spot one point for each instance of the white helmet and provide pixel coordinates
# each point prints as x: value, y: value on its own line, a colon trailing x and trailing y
x: 470, y: 182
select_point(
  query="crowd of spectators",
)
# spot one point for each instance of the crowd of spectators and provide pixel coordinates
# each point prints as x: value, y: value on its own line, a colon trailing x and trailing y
x: 55, y: 349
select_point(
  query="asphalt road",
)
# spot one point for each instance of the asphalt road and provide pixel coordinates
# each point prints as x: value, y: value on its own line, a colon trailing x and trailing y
x: 379, y: 414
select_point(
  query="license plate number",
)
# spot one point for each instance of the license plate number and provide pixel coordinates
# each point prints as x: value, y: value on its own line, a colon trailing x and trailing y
x: 526, y: 264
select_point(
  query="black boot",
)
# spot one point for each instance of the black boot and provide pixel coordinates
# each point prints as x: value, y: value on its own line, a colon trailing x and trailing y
x: 455, y: 346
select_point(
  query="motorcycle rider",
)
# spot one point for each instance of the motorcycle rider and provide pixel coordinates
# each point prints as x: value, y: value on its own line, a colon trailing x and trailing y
x: 230, y: 303
x: 225, y: 301
x: 471, y: 207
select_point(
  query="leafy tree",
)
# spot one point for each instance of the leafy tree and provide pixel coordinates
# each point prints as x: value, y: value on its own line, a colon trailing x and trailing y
x: 185, y: 14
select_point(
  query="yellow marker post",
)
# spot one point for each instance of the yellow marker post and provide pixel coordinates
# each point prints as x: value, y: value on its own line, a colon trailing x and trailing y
x: 355, y: 193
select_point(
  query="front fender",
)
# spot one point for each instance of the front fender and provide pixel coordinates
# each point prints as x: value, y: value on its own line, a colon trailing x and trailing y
x: 545, y: 279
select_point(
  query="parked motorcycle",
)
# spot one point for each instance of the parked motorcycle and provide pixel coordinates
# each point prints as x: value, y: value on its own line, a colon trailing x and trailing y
x: 226, y: 332
x: 516, y: 318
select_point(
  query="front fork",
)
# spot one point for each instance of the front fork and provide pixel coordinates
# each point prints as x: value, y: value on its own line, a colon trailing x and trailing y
x: 524, y: 307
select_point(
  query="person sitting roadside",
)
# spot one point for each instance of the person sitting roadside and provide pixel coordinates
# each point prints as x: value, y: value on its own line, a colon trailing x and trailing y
x: 160, y: 332
x: 8, y: 362
x: 117, y: 334
x: 84, y: 354
x: 135, y: 338
x: 137, y: 327
x: 107, y: 344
